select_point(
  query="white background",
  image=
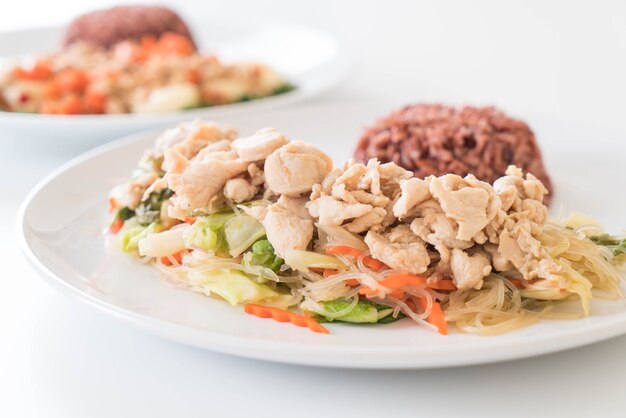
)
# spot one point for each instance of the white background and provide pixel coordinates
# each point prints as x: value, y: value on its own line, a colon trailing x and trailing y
x: 559, y: 61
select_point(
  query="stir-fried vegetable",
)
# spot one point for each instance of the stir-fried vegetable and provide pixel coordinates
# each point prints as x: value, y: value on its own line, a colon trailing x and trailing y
x: 364, y: 311
x: 367, y: 260
x: 282, y: 315
x: 616, y: 245
x: 241, y: 232
x: 305, y: 260
x: 132, y: 232
x: 164, y: 243
x: 237, y: 288
x: 149, y: 210
x: 207, y: 232
x: 263, y: 254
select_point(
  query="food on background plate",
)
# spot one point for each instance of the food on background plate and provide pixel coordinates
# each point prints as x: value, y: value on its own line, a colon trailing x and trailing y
x: 107, y: 27
x: 269, y: 223
x: 132, y: 60
x: 434, y: 139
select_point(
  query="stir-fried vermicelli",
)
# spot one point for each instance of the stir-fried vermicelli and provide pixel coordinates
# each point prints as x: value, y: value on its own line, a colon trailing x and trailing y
x: 266, y: 222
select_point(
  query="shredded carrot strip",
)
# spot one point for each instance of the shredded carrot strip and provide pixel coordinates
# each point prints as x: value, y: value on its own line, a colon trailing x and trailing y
x: 367, y: 260
x: 396, y: 281
x: 436, y: 316
x: 443, y: 284
x: 329, y: 272
x: 112, y: 204
x: 332, y: 272
x: 176, y: 256
x: 116, y: 226
x: 282, y: 315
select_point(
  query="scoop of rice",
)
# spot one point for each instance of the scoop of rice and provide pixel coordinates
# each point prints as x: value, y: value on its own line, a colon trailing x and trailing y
x: 433, y: 139
x: 109, y: 26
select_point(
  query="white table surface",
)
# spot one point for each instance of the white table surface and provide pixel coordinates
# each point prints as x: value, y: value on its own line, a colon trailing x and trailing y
x: 564, y: 62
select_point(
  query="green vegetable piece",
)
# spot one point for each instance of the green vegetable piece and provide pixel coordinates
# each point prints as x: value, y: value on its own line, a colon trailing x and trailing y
x: 132, y: 233
x: 616, y: 245
x: 241, y: 232
x: 263, y: 255
x: 208, y: 232
x: 364, y: 312
x: 237, y: 288
x: 149, y: 210
x: 125, y: 213
x: 284, y: 88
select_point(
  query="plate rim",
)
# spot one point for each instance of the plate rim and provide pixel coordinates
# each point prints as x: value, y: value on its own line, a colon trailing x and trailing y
x: 405, y: 357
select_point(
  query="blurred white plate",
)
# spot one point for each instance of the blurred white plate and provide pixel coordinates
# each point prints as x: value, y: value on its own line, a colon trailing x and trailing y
x: 310, y: 59
x: 62, y: 221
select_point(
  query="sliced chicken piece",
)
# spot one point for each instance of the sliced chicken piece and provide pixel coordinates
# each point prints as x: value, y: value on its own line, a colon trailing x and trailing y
x: 330, y: 211
x: 534, y: 188
x: 466, y: 205
x: 399, y: 249
x: 136, y: 188
x: 325, y: 188
x: 286, y: 231
x: 498, y: 261
x: 197, y: 182
x: 294, y: 168
x: 260, y: 145
x: 158, y: 186
x: 239, y: 190
x: 257, y: 176
x: 439, y: 230
x: 413, y: 192
x: 295, y: 205
x: 468, y: 271
x: 256, y: 212
x: 370, y: 221
x: 191, y: 137
x: 217, y: 146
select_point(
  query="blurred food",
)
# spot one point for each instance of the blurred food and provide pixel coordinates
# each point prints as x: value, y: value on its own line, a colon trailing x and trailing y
x: 109, y: 26
x: 434, y: 139
x: 132, y: 60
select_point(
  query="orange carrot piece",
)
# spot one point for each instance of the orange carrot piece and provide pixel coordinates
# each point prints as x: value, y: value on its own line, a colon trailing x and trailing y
x: 443, y: 284
x: 176, y: 256
x: 112, y: 204
x: 116, y: 226
x: 94, y: 102
x: 50, y: 108
x: 171, y: 42
x: 367, y: 260
x: 394, y: 281
x: 436, y: 316
x: 72, y: 80
x: 71, y: 105
x: 329, y: 272
x: 51, y: 90
x: 332, y: 272
x: 41, y: 71
x: 282, y: 315
x: 517, y: 282
x: 189, y: 220
x: 193, y: 76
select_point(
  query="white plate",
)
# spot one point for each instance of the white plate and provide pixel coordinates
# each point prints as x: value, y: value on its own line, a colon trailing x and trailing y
x: 62, y: 220
x: 310, y: 59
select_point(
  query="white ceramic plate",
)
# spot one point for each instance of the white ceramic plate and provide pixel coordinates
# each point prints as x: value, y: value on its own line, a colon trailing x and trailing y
x: 310, y: 59
x: 62, y: 220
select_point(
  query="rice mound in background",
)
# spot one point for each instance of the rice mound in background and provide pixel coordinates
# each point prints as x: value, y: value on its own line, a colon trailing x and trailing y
x: 434, y: 139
